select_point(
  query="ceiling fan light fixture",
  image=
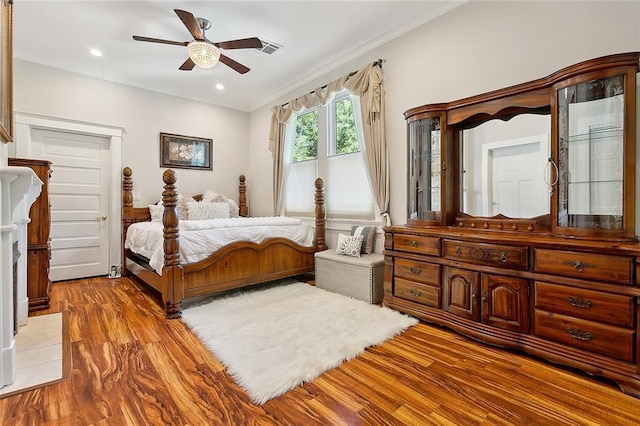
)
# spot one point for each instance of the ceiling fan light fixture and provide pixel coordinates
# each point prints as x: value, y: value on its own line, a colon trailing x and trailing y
x: 203, y: 54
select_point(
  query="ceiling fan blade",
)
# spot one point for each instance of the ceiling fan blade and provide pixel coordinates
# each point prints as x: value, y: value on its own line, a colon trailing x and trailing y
x: 187, y: 65
x: 159, y: 40
x: 233, y: 64
x: 245, y: 43
x: 190, y: 22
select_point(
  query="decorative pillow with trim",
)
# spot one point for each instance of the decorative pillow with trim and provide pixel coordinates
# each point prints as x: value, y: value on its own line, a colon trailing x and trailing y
x: 204, y: 211
x: 156, y: 212
x: 368, y: 235
x: 213, y: 197
x: 349, y: 245
x: 182, y: 208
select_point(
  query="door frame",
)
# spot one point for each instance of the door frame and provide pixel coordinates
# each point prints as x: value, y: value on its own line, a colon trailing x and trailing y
x: 26, y: 122
x: 487, y: 155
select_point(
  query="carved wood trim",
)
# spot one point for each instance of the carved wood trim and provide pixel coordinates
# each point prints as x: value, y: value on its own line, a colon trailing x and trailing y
x: 504, y: 223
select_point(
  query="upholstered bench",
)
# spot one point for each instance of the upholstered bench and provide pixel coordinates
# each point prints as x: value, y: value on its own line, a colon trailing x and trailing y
x: 357, y: 277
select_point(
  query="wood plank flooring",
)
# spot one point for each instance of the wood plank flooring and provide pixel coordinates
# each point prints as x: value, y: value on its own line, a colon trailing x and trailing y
x: 130, y: 366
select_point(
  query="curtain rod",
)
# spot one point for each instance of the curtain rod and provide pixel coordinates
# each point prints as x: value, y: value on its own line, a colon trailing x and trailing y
x: 378, y: 62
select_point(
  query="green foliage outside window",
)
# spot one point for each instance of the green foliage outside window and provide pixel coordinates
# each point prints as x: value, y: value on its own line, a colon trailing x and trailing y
x: 346, y: 139
x: 306, y: 144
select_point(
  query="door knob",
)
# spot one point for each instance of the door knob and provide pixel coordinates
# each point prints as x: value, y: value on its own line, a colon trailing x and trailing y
x: 102, y: 218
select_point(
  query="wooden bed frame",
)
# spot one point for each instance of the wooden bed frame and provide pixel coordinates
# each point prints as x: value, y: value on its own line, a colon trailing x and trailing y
x: 236, y: 265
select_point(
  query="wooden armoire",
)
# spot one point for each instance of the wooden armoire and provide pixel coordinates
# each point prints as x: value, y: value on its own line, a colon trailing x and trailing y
x: 38, y: 245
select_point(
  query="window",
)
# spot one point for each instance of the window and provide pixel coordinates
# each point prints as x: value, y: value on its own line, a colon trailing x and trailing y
x: 324, y: 143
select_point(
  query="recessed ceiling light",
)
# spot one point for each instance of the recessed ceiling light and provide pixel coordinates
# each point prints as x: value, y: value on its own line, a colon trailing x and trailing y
x: 95, y: 52
x: 220, y: 86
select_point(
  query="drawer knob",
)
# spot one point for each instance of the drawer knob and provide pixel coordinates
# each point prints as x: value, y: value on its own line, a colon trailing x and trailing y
x: 579, y: 302
x: 503, y: 257
x: 414, y: 244
x: 578, y: 334
x: 578, y: 265
x: 458, y: 251
x: 415, y: 270
x: 415, y: 292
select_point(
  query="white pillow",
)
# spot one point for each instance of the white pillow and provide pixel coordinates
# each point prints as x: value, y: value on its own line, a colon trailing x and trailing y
x: 349, y: 245
x: 203, y: 211
x: 156, y: 212
x: 234, y: 209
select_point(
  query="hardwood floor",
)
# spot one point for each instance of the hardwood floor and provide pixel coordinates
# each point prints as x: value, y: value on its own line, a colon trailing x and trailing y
x: 130, y: 366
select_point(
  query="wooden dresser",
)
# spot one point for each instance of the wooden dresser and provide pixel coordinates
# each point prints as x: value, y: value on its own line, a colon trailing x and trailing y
x: 38, y: 244
x: 528, y: 240
x: 553, y: 298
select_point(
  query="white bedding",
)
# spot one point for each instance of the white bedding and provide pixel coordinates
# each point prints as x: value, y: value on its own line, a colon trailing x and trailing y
x: 200, y: 238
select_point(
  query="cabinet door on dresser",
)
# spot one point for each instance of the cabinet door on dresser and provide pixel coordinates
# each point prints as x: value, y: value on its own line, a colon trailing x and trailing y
x: 495, y: 300
x: 505, y: 302
x: 461, y: 288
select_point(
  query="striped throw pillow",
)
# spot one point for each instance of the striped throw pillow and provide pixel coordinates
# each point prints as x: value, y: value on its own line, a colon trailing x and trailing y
x: 368, y: 234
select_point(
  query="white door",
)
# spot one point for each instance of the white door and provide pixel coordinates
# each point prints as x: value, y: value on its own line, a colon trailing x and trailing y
x: 79, y: 197
x: 516, y: 171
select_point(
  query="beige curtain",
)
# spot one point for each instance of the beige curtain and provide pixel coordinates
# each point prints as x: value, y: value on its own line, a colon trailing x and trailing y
x: 365, y: 83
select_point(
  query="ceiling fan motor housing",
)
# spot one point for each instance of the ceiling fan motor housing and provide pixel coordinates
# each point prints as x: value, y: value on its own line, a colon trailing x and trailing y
x: 204, y: 24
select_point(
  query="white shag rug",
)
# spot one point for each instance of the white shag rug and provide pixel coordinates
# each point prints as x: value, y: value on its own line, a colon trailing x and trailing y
x: 273, y: 340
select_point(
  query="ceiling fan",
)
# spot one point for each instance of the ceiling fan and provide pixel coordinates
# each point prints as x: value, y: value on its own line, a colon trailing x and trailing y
x: 203, y: 52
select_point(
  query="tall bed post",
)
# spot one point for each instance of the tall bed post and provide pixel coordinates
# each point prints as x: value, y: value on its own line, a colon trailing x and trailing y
x: 127, y: 211
x: 242, y: 199
x: 172, y: 273
x: 320, y: 216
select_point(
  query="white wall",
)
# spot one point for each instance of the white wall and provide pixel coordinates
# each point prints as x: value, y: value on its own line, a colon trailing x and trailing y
x: 143, y: 114
x: 478, y: 47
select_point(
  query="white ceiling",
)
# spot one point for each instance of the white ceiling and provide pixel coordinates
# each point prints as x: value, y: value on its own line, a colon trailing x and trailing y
x: 316, y: 37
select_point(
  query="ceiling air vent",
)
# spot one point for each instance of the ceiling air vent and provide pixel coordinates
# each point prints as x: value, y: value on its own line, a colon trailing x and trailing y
x: 269, y: 47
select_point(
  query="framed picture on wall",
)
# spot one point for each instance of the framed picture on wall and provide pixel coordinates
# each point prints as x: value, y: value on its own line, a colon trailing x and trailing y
x: 6, y: 71
x: 185, y: 152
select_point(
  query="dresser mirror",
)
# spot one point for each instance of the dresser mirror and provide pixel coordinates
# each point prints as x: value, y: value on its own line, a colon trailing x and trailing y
x: 505, y: 167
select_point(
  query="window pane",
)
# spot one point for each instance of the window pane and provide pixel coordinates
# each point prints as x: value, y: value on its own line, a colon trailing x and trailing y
x: 306, y: 143
x: 347, y: 192
x: 299, y: 196
x: 346, y: 139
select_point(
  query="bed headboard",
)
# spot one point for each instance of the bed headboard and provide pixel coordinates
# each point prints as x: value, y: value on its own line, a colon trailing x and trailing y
x: 131, y: 214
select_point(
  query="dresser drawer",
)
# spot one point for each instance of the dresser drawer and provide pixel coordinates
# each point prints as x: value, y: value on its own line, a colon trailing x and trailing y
x: 591, y: 336
x: 513, y: 257
x: 600, y: 267
x: 417, y: 244
x: 427, y: 273
x: 587, y: 304
x: 418, y: 292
